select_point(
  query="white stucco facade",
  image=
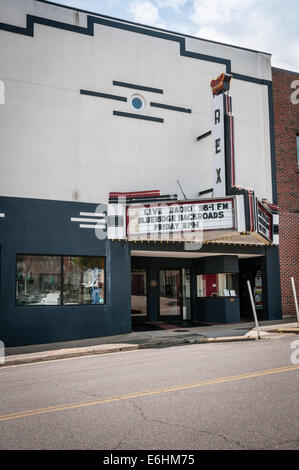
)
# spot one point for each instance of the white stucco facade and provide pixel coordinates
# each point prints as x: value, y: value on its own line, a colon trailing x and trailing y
x: 56, y: 143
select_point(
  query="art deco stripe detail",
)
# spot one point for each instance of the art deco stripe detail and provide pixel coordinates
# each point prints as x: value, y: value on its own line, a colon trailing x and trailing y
x: 171, y: 108
x: 138, y: 116
x: 103, y: 95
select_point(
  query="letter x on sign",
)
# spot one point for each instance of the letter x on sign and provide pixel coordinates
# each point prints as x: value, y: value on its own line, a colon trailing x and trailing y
x: 218, y: 175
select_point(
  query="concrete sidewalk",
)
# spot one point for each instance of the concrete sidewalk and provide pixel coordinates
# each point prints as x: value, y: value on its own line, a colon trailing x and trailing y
x: 149, y: 339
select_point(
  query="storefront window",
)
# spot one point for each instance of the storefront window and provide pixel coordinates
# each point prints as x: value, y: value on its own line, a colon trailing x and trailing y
x: 217, y: 285
x: 59, y: 280
x: 38, y: 280
x: 83, y: 280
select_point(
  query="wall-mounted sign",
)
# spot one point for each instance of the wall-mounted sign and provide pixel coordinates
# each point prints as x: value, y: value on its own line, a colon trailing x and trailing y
x: 264, y: 221
x: 258, y: 290
x: 218, y: 143
x: 214, y: 214
x: 222, y: 130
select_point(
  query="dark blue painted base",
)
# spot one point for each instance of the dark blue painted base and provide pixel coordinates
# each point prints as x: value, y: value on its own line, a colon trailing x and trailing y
x: 218, y: 310
x: 44, y: 227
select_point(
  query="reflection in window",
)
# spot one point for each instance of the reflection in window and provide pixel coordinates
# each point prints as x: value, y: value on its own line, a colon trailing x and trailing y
x: 39, y: 280
x: 214, y: 285
x: 83, y: 280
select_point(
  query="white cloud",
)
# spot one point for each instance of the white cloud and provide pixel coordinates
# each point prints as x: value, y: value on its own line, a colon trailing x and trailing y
x: 144, y: 11
x: 267, y: 26
x: 218, y: 12
x: 175, y: 4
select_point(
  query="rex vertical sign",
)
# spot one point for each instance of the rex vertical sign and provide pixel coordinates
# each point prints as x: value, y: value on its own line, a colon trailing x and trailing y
x: 218, y: 143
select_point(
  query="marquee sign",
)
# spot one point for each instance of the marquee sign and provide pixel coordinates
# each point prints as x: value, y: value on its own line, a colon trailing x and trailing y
x: 181, y: 217
x: 240, y: 219
x: 264, y: 221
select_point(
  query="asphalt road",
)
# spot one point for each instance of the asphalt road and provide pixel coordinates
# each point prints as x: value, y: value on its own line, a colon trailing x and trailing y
x: 200, y: 396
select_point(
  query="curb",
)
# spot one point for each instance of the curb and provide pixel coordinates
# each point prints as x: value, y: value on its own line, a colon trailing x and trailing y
x: 195, y: 340
x: 66, y: 353
x: 108, y: 349
x: 294, y: 330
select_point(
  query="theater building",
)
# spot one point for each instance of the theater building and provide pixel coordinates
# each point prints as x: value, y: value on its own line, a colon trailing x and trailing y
x: 138, y: 179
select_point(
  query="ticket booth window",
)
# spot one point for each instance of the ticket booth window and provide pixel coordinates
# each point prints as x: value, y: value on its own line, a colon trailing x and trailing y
x: 217, y: 285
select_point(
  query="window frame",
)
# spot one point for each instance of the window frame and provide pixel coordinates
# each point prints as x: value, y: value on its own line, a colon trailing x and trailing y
x: 237, y: 294
x: 61, y: 304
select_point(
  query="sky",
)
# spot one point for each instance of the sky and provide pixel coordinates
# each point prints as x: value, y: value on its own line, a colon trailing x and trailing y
x: 266, y: 25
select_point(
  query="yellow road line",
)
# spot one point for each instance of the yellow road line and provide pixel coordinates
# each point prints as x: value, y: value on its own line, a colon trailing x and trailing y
x: 145, y: 393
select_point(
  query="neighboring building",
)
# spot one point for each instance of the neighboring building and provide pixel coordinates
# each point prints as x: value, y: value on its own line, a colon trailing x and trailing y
x: 286, y: 128
x: 96, y: 108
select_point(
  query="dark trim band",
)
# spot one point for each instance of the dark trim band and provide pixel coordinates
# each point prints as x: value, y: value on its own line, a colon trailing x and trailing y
x: 89, y: 31
x: 152, y: 27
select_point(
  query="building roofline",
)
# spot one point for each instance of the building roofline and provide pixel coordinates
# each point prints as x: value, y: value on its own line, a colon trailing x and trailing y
x: 284, y: 70
x: 150, y: 27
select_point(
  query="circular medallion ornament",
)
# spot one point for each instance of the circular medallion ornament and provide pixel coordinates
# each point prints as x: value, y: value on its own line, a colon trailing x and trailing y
x: 137, y: 102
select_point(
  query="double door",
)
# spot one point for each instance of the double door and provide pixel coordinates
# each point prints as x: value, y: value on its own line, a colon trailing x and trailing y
x: 174, y: 294
x: 170, y: 299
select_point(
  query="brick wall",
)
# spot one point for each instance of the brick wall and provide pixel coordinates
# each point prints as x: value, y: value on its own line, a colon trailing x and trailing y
x: 286, y: 127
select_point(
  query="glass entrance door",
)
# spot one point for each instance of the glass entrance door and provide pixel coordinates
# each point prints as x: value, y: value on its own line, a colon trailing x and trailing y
x: 186, y: 300
x: 170, y: 293
x: 138, y: 295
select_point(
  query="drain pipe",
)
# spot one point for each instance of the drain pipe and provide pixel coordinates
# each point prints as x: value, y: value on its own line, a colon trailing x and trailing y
x: 254, y: 311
